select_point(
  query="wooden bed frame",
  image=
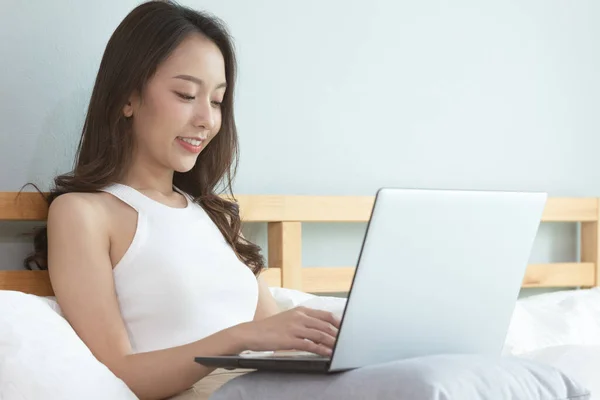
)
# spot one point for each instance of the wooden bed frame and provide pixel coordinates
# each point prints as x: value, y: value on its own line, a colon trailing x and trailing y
x: 285, y: 215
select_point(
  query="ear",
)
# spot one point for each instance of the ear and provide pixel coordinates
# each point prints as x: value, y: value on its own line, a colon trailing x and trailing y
x: 128, y: 108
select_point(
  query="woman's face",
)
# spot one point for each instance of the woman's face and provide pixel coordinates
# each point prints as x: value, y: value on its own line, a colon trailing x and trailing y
x: 179, y: 111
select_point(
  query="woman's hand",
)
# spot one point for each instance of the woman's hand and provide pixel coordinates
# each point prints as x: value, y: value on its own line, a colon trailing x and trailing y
x: 300, y: 328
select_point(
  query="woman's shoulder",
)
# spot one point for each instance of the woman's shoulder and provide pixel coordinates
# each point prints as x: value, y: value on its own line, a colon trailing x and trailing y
x: 82, y: 208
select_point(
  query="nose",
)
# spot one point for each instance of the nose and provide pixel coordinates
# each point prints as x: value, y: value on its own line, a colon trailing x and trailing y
x: 204, y: 115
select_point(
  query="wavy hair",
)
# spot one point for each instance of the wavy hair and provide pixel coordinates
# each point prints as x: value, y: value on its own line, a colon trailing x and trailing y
x: 144, y: 39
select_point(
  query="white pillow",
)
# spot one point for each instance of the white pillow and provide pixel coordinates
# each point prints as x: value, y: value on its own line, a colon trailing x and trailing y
x: 41, y: 356
x: 569, y: 317
x: 579, y: 362
x: 289, y: 298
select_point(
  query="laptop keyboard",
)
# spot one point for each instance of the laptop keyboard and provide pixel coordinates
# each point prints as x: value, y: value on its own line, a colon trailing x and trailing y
x: 279, y: 354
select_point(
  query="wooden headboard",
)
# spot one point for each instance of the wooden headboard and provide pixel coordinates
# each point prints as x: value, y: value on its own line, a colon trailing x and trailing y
x: 285, y: 215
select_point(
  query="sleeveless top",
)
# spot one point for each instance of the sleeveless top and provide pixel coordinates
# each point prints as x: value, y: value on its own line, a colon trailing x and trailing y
x: 179, y: 281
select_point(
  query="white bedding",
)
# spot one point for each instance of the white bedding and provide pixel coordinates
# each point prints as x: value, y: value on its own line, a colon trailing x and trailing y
x: 570, y: 317
x: 581, y: 362
x: 41, y: 357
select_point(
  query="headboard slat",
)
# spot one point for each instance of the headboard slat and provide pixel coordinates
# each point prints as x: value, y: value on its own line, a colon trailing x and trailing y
x: 34, y: 282
x: 25, y: 206
x: 590, y: 246
x: 281, y: 208
x: 285, y: 252
x: 284, y: 216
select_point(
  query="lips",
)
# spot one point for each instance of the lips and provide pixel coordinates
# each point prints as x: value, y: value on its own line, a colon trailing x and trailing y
x: 192, y: 141
x: 193, y: 145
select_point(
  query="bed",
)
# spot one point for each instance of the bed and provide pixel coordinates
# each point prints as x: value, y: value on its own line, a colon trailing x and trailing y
x: 546, y: 327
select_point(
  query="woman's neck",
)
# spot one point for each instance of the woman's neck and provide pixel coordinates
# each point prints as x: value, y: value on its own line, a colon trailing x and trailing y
x: 146, y: 177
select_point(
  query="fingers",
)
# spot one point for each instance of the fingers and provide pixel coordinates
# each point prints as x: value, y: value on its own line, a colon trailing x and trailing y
x: 307, y: 345
x: 314, y: 330
x: 318, y: 337
x: 322, y: 326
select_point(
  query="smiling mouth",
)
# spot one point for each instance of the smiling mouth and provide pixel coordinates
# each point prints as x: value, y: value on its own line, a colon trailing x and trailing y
x: 192, y: 141
x: 193, y: 145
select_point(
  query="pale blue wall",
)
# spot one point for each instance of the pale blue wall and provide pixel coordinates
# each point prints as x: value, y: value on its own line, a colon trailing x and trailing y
x: 341, y: 97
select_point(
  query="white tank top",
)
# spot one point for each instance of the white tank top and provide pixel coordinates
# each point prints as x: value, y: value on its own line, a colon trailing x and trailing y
x: 179, y: 281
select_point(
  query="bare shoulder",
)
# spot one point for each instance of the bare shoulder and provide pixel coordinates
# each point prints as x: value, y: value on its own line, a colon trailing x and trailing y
x: 80, y: 209
x: 77, y: 220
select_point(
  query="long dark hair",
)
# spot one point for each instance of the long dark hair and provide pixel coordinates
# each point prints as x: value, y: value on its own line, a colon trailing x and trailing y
x: 144, y: 39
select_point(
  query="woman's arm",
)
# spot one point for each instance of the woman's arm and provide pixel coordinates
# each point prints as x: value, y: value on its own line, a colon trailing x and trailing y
x: 82, y: 279
x: 267, y: 306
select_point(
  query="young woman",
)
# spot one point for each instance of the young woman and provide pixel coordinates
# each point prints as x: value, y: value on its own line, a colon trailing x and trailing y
x: 148, y: 264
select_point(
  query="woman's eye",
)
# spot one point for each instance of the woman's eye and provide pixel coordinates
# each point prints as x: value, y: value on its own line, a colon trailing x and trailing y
x: 216, y: 103
x: 185, y: 96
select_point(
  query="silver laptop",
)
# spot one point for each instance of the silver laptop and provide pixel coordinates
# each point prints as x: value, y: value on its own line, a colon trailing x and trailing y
x: 439, y: 272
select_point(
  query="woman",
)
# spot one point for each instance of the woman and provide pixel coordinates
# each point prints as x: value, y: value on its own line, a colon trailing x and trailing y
x: 148, y: 264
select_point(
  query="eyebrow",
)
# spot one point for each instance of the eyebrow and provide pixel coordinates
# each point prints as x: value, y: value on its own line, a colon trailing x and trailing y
x: 197, y: 80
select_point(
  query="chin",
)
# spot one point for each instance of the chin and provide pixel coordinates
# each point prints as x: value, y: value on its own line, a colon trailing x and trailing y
x: 183, y: 169
x: 183, y: 166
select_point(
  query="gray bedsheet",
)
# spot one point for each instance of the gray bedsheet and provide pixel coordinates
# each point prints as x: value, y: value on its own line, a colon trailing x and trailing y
x: 444, y: 377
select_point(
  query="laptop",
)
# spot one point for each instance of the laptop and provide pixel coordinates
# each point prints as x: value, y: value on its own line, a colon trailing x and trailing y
x: 439, y: 272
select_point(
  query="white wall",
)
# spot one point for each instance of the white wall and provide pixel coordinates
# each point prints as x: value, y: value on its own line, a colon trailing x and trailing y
x: 341, y: 97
